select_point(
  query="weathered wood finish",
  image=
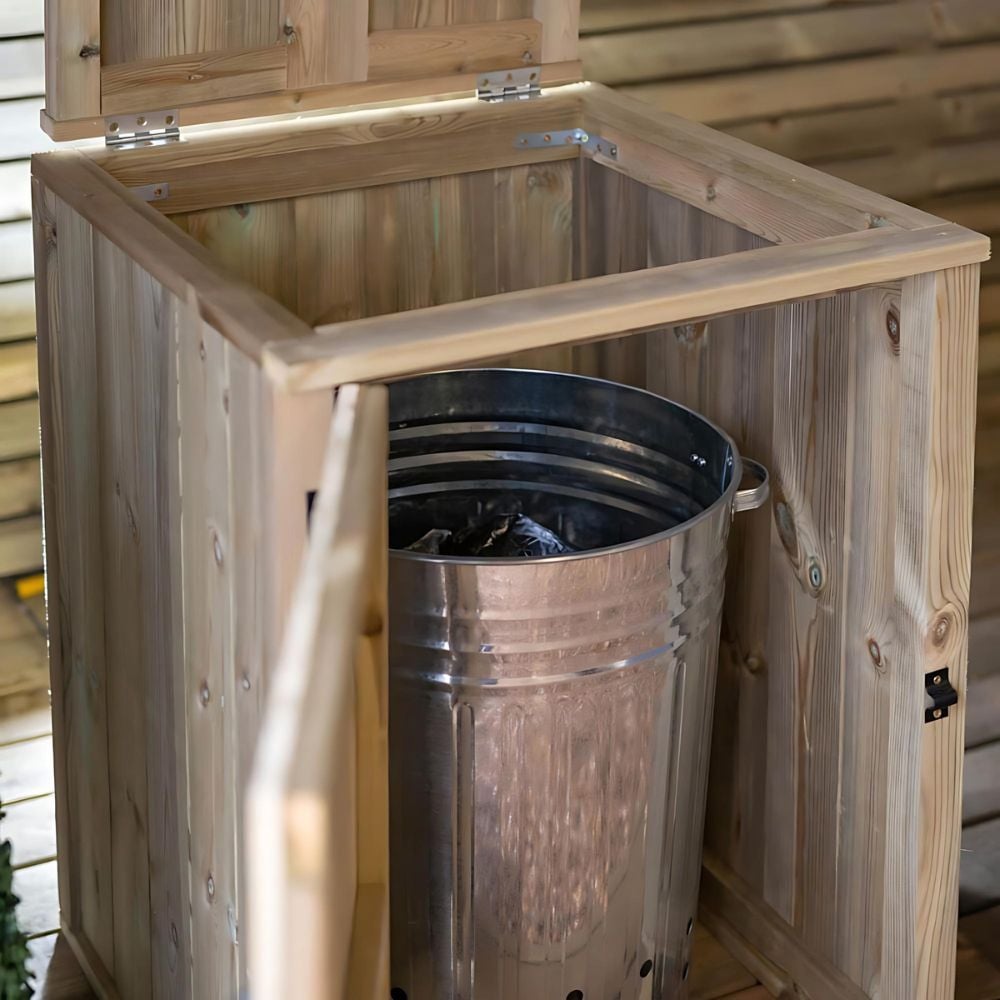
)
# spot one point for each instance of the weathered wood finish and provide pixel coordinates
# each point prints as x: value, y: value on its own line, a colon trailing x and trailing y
x: 839, y: 355
x: 115, y: 57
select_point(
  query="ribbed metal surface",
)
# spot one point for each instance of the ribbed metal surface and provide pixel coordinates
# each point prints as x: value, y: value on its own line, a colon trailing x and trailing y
x: 550, y: 718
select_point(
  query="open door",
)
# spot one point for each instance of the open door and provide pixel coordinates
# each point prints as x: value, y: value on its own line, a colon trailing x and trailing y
x: 317, y: 813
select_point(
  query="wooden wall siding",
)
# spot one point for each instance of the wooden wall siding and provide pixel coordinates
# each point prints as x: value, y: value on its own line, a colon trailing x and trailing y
x: 21, y: 81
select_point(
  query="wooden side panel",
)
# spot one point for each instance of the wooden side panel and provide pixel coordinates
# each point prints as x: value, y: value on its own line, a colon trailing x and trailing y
x: 403, y: 246
x: 74, y: 566
x: 813, y: 840
x: 209, y: 576
x: 139, y: 523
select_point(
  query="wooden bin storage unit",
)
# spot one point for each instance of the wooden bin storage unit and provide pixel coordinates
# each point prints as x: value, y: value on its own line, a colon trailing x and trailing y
x: 199, y: 301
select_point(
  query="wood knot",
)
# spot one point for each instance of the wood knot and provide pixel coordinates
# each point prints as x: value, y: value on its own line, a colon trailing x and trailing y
x: 289, y: 32
x: 210, y: 887
x: 892, y: 329
x: 90, y: 51
x: 217, y: 548
x: 814, y: 574
x: 753, y: 664
x: 941, y: 629
x: 201, y: 350
x: 785, y: 523
x: 710, y: 193
x: 204, y: 694
x: 875, y: 652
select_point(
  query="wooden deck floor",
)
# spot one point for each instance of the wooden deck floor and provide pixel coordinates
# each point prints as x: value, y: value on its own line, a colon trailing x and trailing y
x: 26, y: 790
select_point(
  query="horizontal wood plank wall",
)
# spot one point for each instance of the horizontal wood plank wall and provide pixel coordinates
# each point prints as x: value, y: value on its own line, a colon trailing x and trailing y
x: 22, y: 73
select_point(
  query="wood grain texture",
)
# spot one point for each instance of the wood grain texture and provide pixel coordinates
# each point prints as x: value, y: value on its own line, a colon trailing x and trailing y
x: 317, y: 828
x: 140, y: 520
x: 934, y: 539
x: 187, y: 79
x: 399, y: 247
x: 240, y: 312
x: 136, y: 30
x: 73, y: 41
x: 318, y: 155
x: 423, y: 52
x: 379, y: 348
x: 347, y: 96
x: 327, y: 43
x: 74, y: 565
x: 209, y: 686
x: 707, y: 168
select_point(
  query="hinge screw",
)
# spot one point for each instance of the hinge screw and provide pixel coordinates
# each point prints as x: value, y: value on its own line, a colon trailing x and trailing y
x: 937, y: 713
x: 937, y: 678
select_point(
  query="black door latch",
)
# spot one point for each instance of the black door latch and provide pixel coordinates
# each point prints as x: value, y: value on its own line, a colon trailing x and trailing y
x: 941, y: 693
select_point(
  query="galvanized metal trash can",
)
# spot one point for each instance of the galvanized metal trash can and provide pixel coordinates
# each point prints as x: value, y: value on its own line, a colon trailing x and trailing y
x: 550, y: 718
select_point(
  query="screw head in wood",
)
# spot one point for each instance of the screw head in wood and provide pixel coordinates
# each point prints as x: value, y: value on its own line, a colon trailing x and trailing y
x: 210, y: 886
x: 204, y: 694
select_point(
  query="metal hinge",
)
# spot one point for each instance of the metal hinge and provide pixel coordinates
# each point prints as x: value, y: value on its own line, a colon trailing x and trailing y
x: 941, y: 694
x: 150, y: 128
x: 520, y: 84
x: 571, y: 137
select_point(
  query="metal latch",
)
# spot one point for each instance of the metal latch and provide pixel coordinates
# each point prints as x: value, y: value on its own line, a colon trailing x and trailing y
x: 520, y: 84
x: 568, y: 137
x: 941, y: 694
x: 150, y: 128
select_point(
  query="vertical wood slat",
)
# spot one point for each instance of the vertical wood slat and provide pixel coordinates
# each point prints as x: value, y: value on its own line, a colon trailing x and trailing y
x: 610, y: 217
x: 560, y: 29
x: 874, y: 377
x: 933, y: 554
x: 73, y: 58
x: 74, y: 568
x: 138, y: 430
x: 208, y: 575
x: 328, y: 42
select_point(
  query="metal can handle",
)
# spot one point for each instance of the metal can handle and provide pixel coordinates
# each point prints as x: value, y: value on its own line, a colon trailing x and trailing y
x: 754, y: 496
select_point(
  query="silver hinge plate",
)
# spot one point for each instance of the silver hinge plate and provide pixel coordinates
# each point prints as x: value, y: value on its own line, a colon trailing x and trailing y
x: 568, y: 137
x: 520, y: 84
x: 150, y: 128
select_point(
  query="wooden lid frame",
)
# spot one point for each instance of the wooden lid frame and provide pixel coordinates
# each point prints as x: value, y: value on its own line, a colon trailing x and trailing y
x: 285, y: 58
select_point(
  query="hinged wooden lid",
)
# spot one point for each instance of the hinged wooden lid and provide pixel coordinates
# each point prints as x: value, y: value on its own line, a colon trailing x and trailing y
x: 218, y: 60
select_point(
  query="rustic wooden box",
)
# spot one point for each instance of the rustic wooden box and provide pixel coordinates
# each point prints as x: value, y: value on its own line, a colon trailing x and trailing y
x: 199, y: 301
